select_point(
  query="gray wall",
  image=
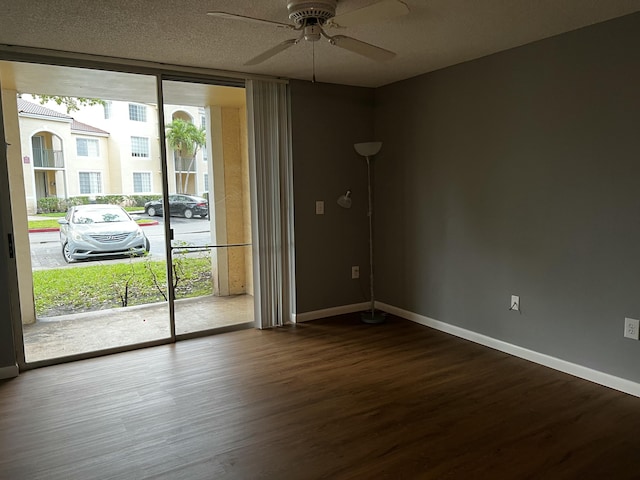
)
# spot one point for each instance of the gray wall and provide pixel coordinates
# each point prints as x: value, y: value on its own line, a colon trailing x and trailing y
x: 326, y: 121
x: 519, y: 173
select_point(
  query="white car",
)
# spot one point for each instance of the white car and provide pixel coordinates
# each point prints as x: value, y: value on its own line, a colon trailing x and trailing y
x: 98, y: 230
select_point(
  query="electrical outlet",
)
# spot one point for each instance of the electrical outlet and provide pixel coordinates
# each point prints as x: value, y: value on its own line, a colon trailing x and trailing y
x: 319, y: 207
x: 632, y: 328
x: 515, y: 303
x: 355, y: 272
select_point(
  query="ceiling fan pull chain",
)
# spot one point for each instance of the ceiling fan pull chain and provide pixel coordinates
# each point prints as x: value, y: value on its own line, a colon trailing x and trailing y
x: 313, y: 61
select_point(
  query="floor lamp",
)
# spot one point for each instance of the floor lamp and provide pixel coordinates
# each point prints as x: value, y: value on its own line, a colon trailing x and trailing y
x: 368, y: 150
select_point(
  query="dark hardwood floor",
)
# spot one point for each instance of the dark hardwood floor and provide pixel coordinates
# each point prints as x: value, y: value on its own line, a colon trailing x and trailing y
x: 328, y: 399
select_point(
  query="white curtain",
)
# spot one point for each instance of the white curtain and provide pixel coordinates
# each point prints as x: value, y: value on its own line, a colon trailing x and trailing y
x: 272, y: 202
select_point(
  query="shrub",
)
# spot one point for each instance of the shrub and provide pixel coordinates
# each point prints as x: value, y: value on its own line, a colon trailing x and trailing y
x: 112, y: 199
x: 140, y: 200
x: 50, y: 205
x: 55, y: 204
x: 73, y: 201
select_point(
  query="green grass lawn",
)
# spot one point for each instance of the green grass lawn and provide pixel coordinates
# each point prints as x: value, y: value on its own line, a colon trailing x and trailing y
x: 53, y: 223
x: 44, y: 223
x: 95, y: 287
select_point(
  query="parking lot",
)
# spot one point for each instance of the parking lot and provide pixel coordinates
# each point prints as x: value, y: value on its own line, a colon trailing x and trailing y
x: 46, y: 250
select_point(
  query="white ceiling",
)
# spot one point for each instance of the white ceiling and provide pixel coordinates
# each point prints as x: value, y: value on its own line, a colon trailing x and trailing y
x: 436, y: 34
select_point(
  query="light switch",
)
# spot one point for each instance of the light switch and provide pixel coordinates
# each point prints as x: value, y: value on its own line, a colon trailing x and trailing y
x: 319, y: 207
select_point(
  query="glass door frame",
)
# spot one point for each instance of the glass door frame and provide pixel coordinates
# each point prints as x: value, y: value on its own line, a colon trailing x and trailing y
x: 27, y: 55
x: 169, y: 231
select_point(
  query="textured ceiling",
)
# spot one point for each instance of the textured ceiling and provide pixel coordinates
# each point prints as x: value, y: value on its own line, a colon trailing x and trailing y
x: 436, y: 34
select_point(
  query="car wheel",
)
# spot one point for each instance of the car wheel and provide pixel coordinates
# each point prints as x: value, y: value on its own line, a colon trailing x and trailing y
x: 66, y: 253
x: 188, y: 213
x: 147, y: 245
x: 204, y: 216
x: 151, y: 212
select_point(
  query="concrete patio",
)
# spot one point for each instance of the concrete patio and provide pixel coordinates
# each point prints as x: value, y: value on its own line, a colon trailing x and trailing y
x: 78, y: 333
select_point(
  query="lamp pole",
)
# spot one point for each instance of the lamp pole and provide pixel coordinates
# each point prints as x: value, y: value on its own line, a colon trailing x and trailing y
x: 373, y: 303
x: 368, y: 150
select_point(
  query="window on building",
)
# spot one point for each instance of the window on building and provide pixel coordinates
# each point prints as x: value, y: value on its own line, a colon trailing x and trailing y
x: 137, y: 113
x: 107, y: 109
x: 206, y: 182
x: 203, y: 121
x: 204, y: 153
x: 90, y: 183
x: 141, y: 182
x: 87, y: 147
x: 140, y: 147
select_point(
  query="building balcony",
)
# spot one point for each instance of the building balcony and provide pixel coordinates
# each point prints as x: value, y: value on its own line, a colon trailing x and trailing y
x: 45, y: 158
x: 184, y: 164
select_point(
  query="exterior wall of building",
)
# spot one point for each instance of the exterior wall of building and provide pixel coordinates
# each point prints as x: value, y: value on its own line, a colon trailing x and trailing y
x: 123, y: 164
x: 77, y: 165
x: 116, y: 162
x: 15, y: 157
x: 46, y: 128
x: 246, y: 200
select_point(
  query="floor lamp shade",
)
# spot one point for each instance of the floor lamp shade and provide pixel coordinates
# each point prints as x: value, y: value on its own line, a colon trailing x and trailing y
x: 368, y: 149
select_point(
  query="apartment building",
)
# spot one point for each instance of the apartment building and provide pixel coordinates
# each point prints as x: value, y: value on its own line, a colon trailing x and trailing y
x: 110, y: 148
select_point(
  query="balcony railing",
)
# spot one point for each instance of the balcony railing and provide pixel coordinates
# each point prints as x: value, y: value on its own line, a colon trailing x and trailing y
x: 45, y: 158
x: 183, y: 164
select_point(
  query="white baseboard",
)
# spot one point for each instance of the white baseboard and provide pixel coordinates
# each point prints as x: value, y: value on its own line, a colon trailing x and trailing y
x: 574, y: 369
x: 9, y: 372
x: 331, y: 312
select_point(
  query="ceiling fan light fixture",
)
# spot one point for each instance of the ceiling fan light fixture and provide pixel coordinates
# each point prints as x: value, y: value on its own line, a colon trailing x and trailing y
x: 312, y: 33
x: 320, y: 10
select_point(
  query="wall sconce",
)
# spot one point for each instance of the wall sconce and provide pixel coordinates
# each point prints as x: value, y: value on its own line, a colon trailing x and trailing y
x: 345, y: 200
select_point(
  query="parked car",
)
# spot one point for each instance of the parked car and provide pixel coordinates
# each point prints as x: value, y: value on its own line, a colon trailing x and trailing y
x: 186, y: 206
x: 93, y: 231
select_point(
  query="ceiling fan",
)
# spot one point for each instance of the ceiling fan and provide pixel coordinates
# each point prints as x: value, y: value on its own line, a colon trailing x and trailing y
x: 311, y: 17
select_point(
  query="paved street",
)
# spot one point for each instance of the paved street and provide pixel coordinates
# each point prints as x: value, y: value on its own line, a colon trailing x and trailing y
x: 46, y: 251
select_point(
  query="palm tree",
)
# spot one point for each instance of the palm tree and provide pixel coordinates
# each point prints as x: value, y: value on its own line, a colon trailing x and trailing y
x: 185, y: 139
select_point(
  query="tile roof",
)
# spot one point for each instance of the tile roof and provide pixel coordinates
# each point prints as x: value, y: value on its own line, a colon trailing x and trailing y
x: 33, y: 109
x: 83, y: 127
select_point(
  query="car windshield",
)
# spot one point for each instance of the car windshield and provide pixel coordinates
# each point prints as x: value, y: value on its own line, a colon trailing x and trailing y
x: 99, y: 215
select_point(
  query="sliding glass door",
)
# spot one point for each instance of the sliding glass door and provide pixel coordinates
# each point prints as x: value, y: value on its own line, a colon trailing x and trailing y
x: 209, y: 205
x: 84, y: 158
x: 131, y: 215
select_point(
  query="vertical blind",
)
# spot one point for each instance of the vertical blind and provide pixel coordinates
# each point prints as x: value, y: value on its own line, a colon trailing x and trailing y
x: 272, y: 202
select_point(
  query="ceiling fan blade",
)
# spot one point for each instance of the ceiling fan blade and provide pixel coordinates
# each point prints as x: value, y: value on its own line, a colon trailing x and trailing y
x: 233, y: 16
x: 362, y: 48
x: 272, y: 52
x: 377, y: 12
